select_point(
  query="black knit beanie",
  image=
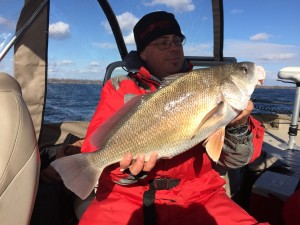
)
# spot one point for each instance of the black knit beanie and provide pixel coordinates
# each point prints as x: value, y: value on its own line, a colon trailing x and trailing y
x: 154, y: 25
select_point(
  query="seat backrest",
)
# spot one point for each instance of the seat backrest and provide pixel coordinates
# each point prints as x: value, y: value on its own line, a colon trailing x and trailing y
x: 110, y: 68
x: 19, y: 155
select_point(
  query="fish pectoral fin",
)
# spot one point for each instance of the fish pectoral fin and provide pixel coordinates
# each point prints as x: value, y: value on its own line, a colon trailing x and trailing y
x: 212, y: 116
x: 214, y: 144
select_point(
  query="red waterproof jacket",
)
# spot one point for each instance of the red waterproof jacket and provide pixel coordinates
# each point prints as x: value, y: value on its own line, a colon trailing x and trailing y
x: 291, y: 208
x: 199, y: 198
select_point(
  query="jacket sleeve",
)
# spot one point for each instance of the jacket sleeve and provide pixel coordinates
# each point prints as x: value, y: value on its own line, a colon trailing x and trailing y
x: 242, y: 148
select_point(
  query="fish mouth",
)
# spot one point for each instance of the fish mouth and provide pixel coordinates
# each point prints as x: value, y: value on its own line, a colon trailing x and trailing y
x: 261, y: 74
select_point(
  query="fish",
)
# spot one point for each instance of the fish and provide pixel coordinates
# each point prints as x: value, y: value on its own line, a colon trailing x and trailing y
x: 188, y: 108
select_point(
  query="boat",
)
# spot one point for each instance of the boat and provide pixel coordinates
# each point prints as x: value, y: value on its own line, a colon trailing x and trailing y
x: 25, y: 135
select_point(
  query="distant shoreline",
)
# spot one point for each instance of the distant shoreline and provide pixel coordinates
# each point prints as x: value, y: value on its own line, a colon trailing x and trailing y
x: 76, y: 81
x: 275, y: 87
x: 73, y: 81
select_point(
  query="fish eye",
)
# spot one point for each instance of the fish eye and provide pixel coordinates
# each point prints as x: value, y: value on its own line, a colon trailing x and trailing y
x: 244, y: 69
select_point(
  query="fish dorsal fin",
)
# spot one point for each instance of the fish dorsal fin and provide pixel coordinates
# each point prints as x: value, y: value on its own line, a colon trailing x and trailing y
x: 103, y: 132
x: 214, y: 144
x: 170, y: 79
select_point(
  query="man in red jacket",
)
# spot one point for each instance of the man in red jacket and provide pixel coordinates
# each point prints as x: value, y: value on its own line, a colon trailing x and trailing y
x: 185, y: 189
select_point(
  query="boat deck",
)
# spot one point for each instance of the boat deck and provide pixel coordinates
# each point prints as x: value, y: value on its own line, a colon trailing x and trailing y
x: 277, y: 170
x: 275, y: 144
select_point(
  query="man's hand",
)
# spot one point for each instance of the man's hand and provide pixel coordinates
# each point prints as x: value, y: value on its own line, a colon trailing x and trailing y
x: 138, y: 165
x: 70, y: 149
x: 242, y: 118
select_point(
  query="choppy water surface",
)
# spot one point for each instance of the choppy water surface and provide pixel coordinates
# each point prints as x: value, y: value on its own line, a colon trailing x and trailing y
x: 77, y: 102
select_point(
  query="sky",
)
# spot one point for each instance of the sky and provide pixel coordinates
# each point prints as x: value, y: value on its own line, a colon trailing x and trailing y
x: 81, y: 43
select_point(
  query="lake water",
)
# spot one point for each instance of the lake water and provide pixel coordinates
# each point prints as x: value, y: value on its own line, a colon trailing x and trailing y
x: 77, y: 102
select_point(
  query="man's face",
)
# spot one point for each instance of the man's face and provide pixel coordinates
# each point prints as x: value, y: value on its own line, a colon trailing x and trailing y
x: 164, y: 55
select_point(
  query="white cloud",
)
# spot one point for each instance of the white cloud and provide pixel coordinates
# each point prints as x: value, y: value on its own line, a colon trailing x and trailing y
x: 53, y: 67
x: 260, y: 37
x: 58, y: 67
x: 106, y: 26
x: 88, y: 71
x: 204, y: 18
x: 278, y: 57
x: 65, y: 62
x: 195, y: 49
x: 177, y: 5
x: 7, y: 23
x: 126, y: 21
x: 261, y: 51
x: 236, y: 11
x: 105, y: 45
x: 94, y: 68
x: 129, y: 39
x: 94, y: 64
x: 271, y: 56
x: 59, y: 30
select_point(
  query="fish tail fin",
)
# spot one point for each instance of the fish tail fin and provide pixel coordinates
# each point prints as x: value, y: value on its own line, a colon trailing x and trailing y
x: 78, y: 173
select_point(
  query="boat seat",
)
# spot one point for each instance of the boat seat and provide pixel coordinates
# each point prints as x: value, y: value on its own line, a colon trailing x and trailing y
x: 19, y: 155
x: 110, y: 68
x: 290, y: 73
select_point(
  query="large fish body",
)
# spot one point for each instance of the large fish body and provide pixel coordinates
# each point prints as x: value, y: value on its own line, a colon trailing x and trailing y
x: 188, y: 109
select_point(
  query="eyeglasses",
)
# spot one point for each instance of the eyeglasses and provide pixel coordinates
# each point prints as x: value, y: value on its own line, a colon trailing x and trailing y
x: 165, y: 44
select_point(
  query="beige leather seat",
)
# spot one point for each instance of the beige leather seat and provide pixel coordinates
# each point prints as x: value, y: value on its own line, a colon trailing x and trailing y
x: 19, y: 156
